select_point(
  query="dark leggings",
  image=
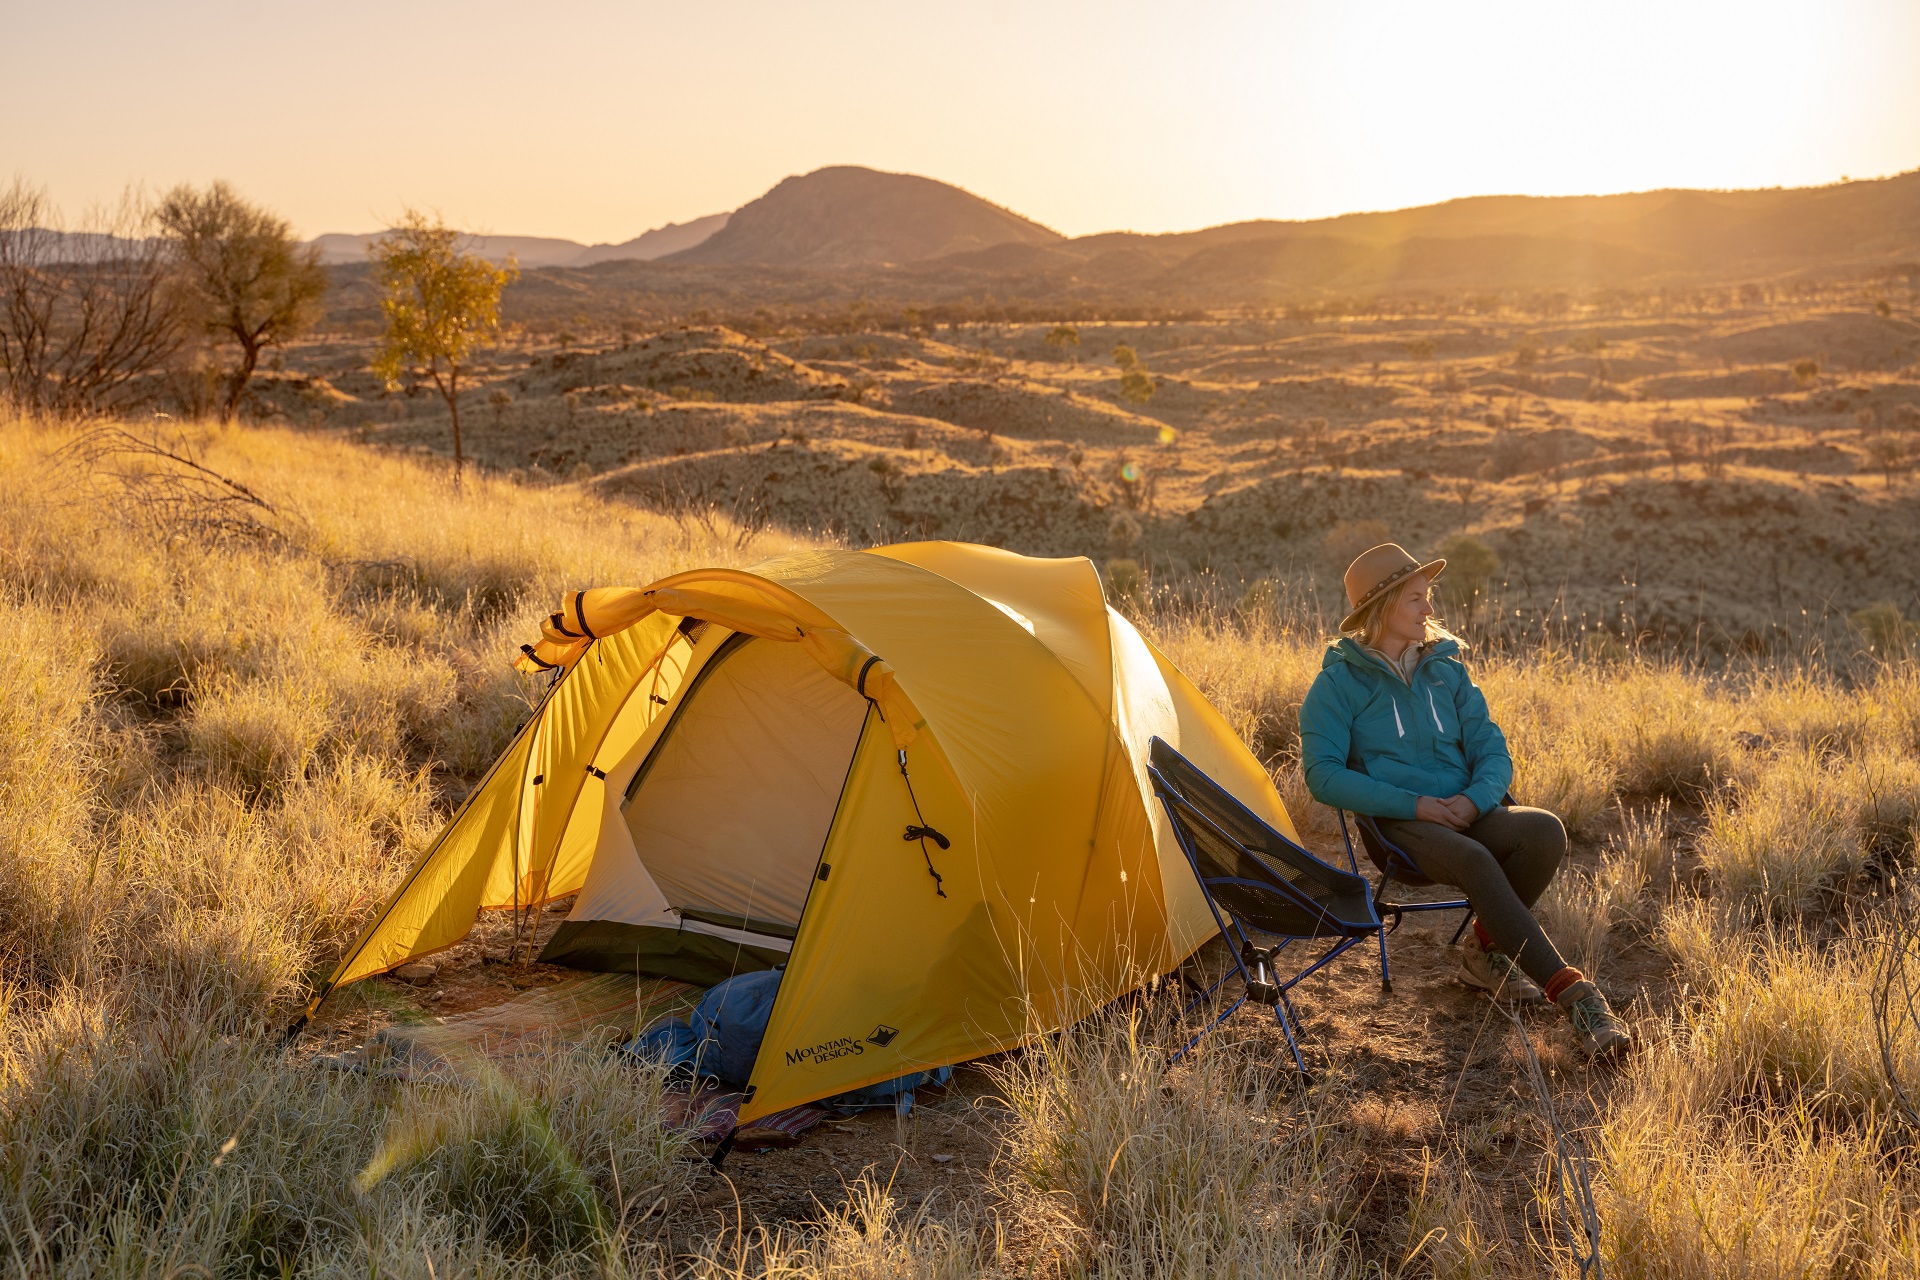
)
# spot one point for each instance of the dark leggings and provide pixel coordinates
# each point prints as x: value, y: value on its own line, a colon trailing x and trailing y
x: 1504, y: 862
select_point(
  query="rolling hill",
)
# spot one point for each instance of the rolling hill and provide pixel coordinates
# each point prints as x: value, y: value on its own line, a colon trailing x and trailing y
x: 846, y: 215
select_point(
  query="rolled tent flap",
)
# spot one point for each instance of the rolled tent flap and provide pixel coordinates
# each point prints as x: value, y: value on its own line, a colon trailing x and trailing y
x: 739, y: 602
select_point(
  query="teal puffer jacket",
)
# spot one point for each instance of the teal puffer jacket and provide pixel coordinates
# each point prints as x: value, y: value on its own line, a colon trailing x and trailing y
x: 1428, y: 737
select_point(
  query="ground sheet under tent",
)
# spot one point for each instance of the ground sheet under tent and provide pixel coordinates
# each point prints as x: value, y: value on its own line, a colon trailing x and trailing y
x: 604, y: 1009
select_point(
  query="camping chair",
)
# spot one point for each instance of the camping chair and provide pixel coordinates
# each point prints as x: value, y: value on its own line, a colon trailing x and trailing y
x: 1255, y: 878
x: 1394, y: 864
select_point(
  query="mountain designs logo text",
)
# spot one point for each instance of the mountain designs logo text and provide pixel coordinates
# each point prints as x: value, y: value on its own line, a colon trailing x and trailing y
x: 842, y: 1047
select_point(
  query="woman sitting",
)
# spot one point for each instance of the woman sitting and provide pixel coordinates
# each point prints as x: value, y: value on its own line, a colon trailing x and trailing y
x: 1394, y: 728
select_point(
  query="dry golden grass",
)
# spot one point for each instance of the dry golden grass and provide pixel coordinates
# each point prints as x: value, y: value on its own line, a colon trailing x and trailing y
x: 1756, y: 1137
x: 1209, y: 1173
x: 225, y: 744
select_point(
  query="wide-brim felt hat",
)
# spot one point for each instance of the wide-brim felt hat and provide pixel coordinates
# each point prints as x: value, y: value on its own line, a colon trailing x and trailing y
x: 1378, y: 570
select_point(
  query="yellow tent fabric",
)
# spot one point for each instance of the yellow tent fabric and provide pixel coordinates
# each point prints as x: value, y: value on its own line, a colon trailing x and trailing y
x: 1008, y: 708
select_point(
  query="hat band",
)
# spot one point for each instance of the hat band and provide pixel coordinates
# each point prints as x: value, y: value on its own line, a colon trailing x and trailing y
x: 1384, y: 583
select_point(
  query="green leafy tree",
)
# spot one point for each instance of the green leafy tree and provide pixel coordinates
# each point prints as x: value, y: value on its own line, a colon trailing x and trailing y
x: 1136, y: 384
x: 251, y: 283
x: 439, y: 302
x: 1062, y: 336
x: 1471, y: 565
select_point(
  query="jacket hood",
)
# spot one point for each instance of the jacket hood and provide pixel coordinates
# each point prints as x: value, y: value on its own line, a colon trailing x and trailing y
x: 1346, y: 651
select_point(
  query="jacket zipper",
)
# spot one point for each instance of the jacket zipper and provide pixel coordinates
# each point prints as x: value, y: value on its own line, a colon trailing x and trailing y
x: 1436, y: 710
x: 1396, y: 718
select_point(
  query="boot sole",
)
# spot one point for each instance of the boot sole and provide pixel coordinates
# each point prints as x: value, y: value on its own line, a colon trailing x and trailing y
x: 1507, y: 993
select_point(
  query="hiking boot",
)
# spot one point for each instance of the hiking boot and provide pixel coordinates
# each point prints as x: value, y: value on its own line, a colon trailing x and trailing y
x: 1602, y: 1033
x: 1495, y: 973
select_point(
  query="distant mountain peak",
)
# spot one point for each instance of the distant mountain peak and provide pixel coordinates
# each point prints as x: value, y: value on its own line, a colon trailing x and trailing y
x: 847, y: 215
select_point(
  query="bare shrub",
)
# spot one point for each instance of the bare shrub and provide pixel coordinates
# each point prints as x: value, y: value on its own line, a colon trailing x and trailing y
x: 88, y: 318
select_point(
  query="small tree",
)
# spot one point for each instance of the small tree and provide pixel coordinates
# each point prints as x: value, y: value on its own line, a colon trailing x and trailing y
x: 1062, y: 336
x: 1889, y: 453
x: 1137, y: 386
x: 251, y: 283
x: 438, y: 302
x: 1885, y: 629
x: 1471, y: 565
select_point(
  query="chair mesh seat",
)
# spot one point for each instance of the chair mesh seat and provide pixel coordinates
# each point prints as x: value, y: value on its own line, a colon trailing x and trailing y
x: 1244, y: 863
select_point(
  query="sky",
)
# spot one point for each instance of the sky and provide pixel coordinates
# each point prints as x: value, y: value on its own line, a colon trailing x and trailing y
x: 596, y: 120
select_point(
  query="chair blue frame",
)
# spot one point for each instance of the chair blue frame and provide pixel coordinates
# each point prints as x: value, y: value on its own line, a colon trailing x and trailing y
x: 1269, y: 883
x: 1393, y: 864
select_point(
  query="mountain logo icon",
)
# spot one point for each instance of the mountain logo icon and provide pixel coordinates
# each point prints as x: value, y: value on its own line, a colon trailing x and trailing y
x: 883, y: 1035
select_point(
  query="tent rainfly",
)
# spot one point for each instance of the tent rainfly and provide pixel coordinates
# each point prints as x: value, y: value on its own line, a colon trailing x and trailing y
x: 914, y: 775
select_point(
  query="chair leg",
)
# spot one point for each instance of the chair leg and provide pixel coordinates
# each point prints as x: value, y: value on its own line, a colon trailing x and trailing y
x: 1465, y: 920
x: 1205, y: 995
x: 1289, y: 1020
x: 1239, y: 967
x: 1201, y: 1034
x: 1386, y: 974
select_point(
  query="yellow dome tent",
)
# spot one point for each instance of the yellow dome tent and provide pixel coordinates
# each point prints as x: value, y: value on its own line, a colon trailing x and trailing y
x: 915, y: 775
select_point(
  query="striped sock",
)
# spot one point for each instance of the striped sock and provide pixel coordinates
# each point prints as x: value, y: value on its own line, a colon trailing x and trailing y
x: 1559, y: 982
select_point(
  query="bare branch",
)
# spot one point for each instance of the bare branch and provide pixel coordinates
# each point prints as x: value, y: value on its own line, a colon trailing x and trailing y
x: 161, y: 486
x: 88, y: 319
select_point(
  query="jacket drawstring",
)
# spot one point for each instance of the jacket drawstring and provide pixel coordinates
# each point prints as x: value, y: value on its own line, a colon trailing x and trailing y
x: 1436, y: 711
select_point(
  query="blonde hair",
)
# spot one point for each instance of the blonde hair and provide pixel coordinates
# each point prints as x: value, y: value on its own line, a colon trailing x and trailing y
x: 1366, y: 626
